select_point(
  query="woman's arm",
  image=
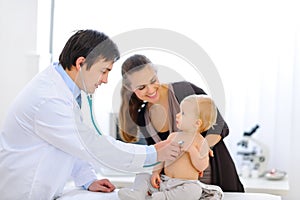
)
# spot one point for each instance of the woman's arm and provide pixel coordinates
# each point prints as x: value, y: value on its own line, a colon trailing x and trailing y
x: 213, y: 139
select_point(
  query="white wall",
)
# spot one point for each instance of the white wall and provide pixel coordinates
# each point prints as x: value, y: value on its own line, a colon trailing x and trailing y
x: 18, y: 39
x: 294, y: 176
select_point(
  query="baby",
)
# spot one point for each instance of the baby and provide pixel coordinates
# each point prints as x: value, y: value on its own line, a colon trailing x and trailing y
x: 180, y: 180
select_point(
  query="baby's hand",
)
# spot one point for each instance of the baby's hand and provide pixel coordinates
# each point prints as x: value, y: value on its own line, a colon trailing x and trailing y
x: 155, y: 180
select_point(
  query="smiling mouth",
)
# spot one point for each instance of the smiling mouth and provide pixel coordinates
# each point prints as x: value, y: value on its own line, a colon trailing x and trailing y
x: 152, y: 95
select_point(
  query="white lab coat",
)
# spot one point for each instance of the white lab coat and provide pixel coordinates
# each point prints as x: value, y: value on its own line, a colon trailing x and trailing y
x: 44, y: 142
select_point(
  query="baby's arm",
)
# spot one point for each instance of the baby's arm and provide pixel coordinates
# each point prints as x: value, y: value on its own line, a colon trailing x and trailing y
x: 155, y: 177
x: 199, y: 157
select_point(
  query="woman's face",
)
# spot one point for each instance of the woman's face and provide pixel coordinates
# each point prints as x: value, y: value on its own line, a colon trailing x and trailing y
x: 145, y: 84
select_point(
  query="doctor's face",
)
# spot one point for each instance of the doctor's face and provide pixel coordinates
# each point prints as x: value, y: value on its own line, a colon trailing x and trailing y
x: 96, y: 75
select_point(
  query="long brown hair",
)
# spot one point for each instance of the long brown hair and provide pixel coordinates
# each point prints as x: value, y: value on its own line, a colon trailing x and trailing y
x: 130, y: 104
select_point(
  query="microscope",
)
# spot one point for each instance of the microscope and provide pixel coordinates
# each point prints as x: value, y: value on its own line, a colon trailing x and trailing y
x: 252, y: 155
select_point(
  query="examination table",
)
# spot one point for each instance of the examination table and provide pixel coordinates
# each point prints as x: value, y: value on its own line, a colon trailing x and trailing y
x: 120, y: 180
x: 80, y: 194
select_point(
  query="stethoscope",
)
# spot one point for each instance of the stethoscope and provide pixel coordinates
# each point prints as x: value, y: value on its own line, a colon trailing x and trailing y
x: 90, y: 102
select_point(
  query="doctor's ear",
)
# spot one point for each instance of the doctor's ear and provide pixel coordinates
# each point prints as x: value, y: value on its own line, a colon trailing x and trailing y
x: 79, y: 62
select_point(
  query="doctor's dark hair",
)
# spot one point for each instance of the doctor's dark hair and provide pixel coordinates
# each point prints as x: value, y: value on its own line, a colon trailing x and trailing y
x: 130, y: 103
x: 90, y: 44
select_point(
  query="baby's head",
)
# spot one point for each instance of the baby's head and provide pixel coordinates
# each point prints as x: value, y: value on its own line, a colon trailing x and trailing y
x: 197, y: 110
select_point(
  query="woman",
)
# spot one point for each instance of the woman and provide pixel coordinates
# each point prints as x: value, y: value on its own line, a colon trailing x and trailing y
x: 149, y: 108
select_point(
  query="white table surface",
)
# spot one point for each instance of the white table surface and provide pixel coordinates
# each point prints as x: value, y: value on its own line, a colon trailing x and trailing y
x: 80, y: 194
x: 277, y: 187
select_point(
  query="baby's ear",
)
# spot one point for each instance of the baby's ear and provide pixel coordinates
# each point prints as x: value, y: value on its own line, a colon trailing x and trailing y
x: 199, y: 122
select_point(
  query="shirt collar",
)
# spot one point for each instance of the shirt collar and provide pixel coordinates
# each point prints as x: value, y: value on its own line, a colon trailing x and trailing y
x: 69, y: 82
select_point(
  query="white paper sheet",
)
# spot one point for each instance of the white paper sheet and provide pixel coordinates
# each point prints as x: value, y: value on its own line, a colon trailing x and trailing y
x: 79, y: 194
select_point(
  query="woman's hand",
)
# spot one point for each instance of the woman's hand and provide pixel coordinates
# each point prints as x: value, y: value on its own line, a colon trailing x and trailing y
x: 211, y: 153
x: 201, y: 173
x: 103, y: 185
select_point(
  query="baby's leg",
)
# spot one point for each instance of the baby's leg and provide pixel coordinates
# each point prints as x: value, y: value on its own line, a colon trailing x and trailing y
x: 139, y: 188
x: 174, y: 189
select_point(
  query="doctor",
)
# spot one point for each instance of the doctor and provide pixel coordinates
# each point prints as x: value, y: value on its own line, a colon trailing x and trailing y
x: 44, y: 139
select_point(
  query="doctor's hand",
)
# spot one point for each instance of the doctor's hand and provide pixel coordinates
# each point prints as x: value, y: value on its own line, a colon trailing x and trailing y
x: 167, y: 150
x: 103, y: 185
